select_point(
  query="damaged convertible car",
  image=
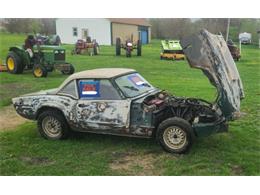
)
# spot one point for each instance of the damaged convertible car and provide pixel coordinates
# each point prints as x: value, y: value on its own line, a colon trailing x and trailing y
x: 121, y: 102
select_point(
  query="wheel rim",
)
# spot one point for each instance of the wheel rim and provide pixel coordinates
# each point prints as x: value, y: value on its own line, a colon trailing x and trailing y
x: 38, y: 72
x: 175, y: 137
x: 10, y: 63
x: 51, y: 126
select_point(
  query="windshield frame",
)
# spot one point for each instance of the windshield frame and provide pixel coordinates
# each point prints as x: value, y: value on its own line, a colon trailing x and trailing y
x: 152, y: 88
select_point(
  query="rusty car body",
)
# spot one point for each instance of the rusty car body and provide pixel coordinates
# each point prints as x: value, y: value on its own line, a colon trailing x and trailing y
x: 121, y: 102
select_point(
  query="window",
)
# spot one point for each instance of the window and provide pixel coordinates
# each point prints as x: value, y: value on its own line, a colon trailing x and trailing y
x: 75, y: 31
x: 69, y: 89
x: 133, y: 85
x: 97, y: 90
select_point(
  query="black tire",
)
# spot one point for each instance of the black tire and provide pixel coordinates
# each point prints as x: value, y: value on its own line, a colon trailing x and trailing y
x: 17, y: 66
x: 39, y: 71
x: 118, y: 46
x: 139, y: 48
x: 179, y: 128
x: 71, y: 70
x: 51, y: 118
x: 57, y: 40
x: 95, y: 50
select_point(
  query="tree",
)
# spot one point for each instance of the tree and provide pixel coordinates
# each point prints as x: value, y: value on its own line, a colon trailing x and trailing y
x: 30, y: 25
x: 170, y: 28
x: 48, y: 26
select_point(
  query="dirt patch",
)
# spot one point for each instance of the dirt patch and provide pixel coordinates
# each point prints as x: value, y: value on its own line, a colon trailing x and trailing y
x: 130, y: 163
x: 9, y: 119
x: 36, y: 160
x: 237, y: 170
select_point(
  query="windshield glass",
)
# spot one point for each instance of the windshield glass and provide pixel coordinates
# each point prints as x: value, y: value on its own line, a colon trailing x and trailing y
x: 133, y: 85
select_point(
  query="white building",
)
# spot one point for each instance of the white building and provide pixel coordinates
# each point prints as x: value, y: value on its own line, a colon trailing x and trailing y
x: 104, y: 30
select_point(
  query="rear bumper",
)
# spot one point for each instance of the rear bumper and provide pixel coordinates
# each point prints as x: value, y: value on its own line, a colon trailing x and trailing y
x: 206, y: 129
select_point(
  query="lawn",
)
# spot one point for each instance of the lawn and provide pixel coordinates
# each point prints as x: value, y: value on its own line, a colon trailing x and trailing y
x: 24, y: 152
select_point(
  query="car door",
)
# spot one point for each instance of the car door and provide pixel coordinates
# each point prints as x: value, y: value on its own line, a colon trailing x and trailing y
x: 100, y: 108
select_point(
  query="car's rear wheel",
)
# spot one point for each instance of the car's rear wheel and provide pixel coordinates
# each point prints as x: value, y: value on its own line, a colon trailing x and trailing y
x: 52, y: 125
x: 175, y: 135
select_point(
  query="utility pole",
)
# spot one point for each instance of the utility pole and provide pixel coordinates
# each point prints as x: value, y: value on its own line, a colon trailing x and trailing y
x: 228, y: 23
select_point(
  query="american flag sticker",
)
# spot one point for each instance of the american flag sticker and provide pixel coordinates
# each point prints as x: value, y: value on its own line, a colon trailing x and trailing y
x: 89, y: 89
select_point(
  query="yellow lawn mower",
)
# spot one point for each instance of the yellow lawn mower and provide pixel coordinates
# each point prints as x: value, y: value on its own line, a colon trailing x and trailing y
x: 171, y: 50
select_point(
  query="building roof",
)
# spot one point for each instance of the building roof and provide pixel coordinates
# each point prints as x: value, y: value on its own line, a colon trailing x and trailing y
x: 132, y: 21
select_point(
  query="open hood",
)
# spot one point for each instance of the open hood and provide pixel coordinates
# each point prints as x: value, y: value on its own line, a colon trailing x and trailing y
x: 210, y: 53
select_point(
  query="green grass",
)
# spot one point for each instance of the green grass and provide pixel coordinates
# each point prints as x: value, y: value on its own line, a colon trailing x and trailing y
x: 24, y: 152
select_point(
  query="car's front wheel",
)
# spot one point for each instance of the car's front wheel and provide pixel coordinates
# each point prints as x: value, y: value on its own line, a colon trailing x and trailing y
x: 175, y: 135
x: 52, y: 125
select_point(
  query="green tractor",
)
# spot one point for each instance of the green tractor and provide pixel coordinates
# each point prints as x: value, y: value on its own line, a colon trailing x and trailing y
x: 40, y: 58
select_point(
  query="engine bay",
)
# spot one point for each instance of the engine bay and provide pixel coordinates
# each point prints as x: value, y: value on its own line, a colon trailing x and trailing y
x: 191, y: 109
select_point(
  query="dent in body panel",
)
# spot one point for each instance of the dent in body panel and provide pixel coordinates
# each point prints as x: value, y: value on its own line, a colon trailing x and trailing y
x: 28, y: 106
x: 140, y: 120
x: 107, y: 115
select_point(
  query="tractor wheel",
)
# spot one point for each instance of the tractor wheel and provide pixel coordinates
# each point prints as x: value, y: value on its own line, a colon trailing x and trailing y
x: 118, y: 46
x: 39, y: 71
x: 68, y: 71
x: 175, y: 135
x: 13, y: 63
x: 139, y: 48
x: 95, y: 50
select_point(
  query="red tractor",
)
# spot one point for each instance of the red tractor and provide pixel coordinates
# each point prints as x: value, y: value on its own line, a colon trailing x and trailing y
x: 86, y: 47
x: 129, y: 46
